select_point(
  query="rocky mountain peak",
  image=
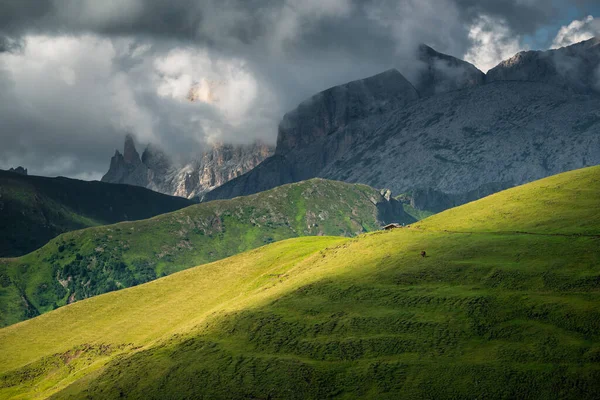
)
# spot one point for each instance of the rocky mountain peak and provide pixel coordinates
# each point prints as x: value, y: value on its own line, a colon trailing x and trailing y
x: 334, y: 108
x: 441, y: 73
x: 156, y: 171
x: 575, y: 67
x: 154, y: 158
x: 443, y: 146
x: 127, y: 167
x: 130, y: 154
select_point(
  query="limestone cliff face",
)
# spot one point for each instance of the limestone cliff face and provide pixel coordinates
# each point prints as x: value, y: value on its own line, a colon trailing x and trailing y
x: 443, y: 147
x: 441, y: 73
x: 576, y: 67
x: 155, y: 170
x: 127, y: 168
x: 331, y: 110
x: 476, y: 141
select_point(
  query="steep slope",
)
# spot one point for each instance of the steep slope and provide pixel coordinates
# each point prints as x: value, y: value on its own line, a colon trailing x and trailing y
x: 318, y: 121
x: 333, y: 109
x: 89, y: 262
x: 486, y: 314
x: 575, y: 67
x: 156, y: 171
x: 478, y: 141
x: 441, y: 73
x: 455, y: 147
x: 35, y: 209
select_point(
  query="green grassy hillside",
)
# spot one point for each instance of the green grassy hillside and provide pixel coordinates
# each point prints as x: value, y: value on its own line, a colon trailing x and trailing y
x: 493, y: 314
x: 35, y: 209
x: 561, y: 204
x: 93, y: 261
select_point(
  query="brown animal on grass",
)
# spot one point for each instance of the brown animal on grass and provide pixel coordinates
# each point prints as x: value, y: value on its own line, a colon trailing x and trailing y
x: 423, y: 254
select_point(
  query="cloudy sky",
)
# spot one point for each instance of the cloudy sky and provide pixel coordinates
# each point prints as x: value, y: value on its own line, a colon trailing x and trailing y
x: 77, y: 75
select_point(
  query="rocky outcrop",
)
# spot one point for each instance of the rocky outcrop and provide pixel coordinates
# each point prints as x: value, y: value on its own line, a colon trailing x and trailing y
x: 127, y: 168
x: 576, y: 67
x: 444, y: 149
x: 19, y: 170
x: 470, y: 143
x: 155, y: 170
x: 441, y: 73
x: 332, y: 110
x: 390, y: 210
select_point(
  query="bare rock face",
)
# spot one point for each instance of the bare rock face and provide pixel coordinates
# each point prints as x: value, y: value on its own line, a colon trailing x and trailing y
x: 333, y: 109
x: 156, y: 171
x: 314, y: 134
x: 19, y: 170
x: 576, y: 67
x: 443, y: 149
x: 127, y: 168
x: 217, y: 166
x: 471, y: 143
x: 441, y: 73
x: 130, y: 154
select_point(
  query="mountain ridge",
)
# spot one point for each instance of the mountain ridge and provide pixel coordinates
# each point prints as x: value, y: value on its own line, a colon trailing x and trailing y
x: 35, y: 209
x: 575, y: 67
x: 82, y: 264
x: 156, y: 171
x: 444, y: 131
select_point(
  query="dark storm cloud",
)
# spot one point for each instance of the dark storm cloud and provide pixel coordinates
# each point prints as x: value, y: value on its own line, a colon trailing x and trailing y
x: 51, y: 126
x: 245, y: 22
x: 252, y: 27
x: 9, y: 44
x: 19, y: 15
x: 521, y: 16
x: 118, y: 66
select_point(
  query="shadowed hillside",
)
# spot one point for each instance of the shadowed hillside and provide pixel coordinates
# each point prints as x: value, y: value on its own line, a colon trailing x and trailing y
x: 35, y: 209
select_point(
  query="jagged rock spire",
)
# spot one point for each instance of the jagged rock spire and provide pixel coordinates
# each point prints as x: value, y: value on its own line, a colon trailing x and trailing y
x: 130, y: 153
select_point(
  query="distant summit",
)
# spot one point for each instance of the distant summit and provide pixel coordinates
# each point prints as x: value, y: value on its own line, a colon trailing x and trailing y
x: 331, y: 110
x: 576, y: 67
x: 442, y: 73
x: 156, y: 171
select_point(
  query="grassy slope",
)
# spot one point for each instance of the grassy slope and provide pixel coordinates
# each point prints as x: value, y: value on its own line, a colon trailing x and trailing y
x: 85, y: 263
x: 35, y: 209
x: 488, y: 314
x: 123, y: 320
x: 416, y: 213
x: 563, y: 204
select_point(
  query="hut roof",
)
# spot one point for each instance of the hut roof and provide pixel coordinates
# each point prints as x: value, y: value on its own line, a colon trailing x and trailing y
x: 392, y: 226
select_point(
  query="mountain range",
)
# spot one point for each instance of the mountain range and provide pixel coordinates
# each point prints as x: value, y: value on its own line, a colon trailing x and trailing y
x: 453, y: 136
x: 156, y: 171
